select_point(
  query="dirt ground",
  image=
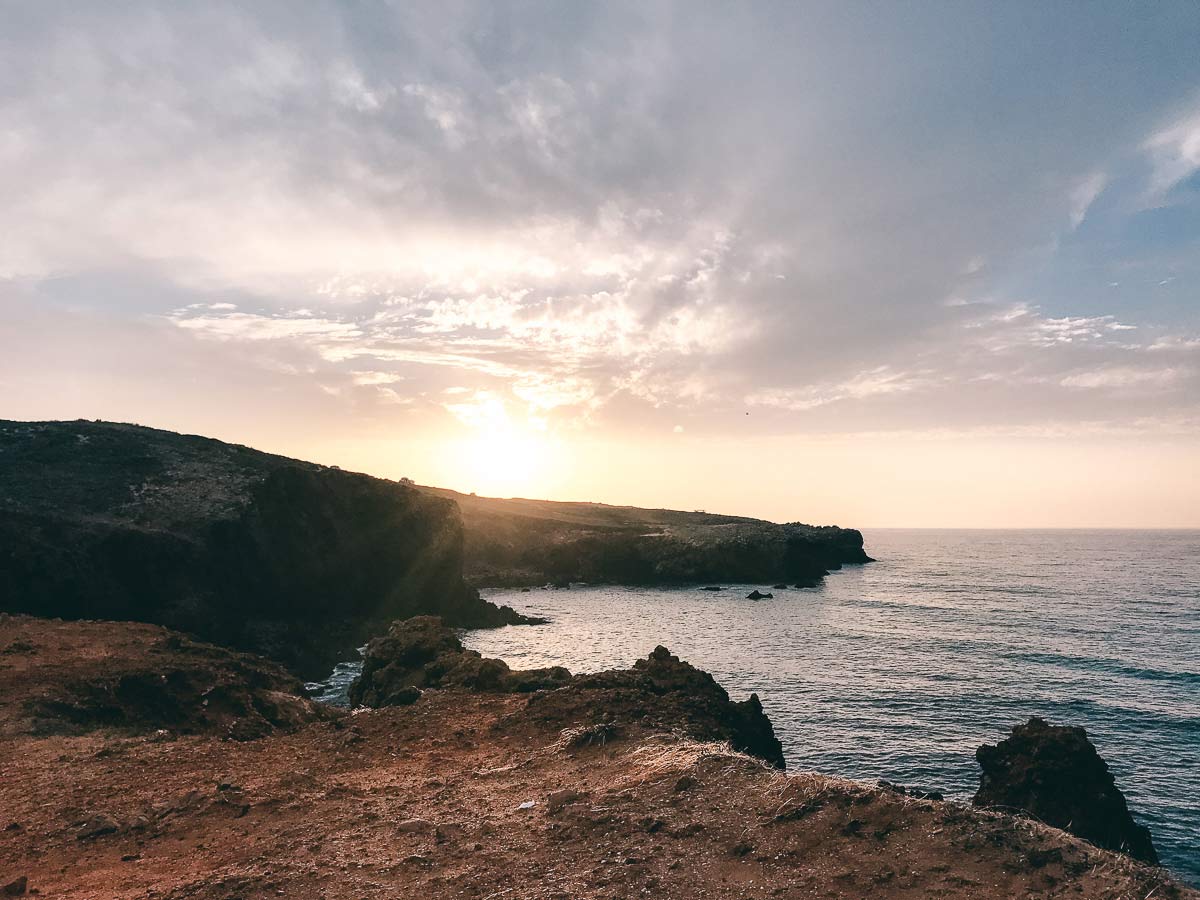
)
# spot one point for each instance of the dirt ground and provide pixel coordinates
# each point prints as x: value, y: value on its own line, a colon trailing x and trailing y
x: 467, y: 796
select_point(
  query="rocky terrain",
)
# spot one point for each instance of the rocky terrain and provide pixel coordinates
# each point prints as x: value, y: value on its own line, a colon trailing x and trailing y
x: 460, y: 794
x: 296, y: 560
x: 660, y: 692
x: 511, y: 543
x: 60, y: 677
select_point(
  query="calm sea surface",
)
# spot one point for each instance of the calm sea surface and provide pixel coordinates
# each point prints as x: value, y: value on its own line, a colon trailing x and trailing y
x: 900, y: 668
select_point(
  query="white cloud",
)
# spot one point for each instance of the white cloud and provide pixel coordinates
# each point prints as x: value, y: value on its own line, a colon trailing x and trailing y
x: 1085, y: 195
x: 1125, y: 377
x: 1175, y: 154
x: 252, y: 327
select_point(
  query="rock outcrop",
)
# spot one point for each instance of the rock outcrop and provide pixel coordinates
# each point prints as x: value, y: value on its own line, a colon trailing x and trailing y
x: 422, y: 652
x: 514, y: 542
x: 299, y: 561
x: 664, y: 693
x: 659, y: 692
x: 1054, y: 773
x: 74, y: 677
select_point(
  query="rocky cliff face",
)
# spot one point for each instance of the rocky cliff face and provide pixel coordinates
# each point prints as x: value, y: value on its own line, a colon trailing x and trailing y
x: 1055, y: 774
x: 528, y: 542
x: 296, y: 560
x: 659, y: 692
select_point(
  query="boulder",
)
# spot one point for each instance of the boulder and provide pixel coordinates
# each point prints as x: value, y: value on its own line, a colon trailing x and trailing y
x: 758, y: 595
x: 1053, y: 773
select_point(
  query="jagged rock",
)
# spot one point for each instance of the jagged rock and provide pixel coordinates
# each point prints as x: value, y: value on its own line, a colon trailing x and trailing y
x: 664, y: 693
x: 261, y: 552
x: 422, y: 652
x: 1054, y: 773
x: 758, y: 595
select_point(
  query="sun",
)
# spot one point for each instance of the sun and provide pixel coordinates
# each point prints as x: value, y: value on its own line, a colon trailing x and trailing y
x: 505, y: 463
x: 502, y: 457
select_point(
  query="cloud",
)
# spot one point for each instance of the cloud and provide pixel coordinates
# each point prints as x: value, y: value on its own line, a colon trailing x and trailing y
x: 1175, y: 154
x: 605, y: 217
x: 1125, y: 377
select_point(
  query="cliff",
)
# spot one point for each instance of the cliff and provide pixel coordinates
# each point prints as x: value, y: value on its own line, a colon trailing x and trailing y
x: 296, y: 560
x: 518, y: 542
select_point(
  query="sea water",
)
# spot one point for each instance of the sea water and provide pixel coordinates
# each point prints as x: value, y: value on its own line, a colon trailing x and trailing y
x: 901, y: 668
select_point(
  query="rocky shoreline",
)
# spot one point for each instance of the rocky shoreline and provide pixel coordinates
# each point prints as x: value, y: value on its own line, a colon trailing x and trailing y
x: 141, y: 761
x: 469, y: 779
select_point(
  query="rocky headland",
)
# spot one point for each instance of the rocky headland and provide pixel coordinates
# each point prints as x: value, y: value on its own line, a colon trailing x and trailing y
x: 516, y: 542
x: 295, y: 560
x: 584, y: 788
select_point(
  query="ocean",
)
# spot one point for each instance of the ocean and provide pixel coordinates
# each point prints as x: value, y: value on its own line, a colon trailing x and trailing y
x: 901, y: 668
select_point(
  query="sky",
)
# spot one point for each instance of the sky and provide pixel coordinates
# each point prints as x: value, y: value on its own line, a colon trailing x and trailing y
x: 887, y: 264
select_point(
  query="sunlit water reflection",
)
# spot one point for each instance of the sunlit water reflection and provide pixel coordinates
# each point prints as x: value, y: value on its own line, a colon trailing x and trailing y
x: 901, y: 668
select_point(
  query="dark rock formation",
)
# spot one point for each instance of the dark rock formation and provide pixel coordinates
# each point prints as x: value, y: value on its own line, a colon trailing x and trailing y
x: 662, y: 692
x: 421, y: 652
x: 80, y: 676
x: 296, y: 560
x: 517, y: 542
x: 1053, y: 773
x: 659, y: 692
x: 758, y: 595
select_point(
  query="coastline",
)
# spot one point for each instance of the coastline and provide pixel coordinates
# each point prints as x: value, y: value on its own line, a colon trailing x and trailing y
x: 466, y: 793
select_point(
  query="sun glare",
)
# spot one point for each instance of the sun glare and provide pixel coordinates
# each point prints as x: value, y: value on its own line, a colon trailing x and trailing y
x: 504, y: 463
x: 502, y: 456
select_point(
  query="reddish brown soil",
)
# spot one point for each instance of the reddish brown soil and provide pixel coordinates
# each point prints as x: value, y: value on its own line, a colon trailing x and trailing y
x: 425, y: 801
